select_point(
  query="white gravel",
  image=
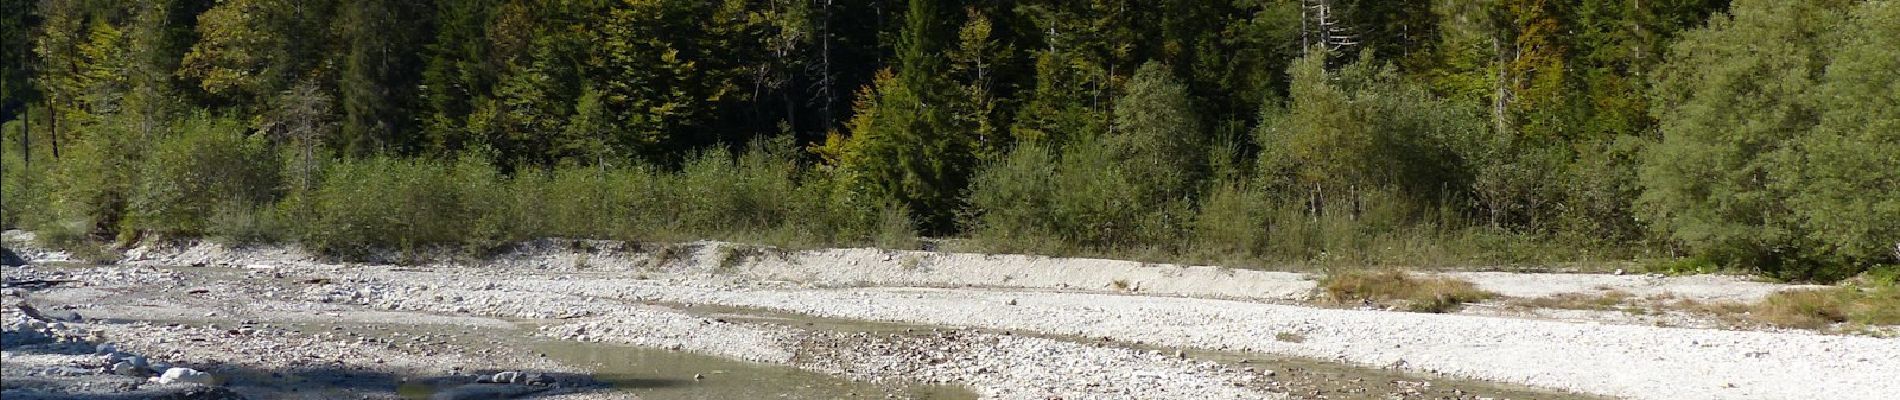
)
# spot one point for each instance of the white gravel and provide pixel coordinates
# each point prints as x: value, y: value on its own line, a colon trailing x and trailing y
x: 1698, y: 287
x: 881, y: 267
x: 1620, y: 360
x: 995, y: 366
x: 1632, y: 361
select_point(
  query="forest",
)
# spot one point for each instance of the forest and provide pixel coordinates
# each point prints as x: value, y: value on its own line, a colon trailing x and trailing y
x: 1760, y: 136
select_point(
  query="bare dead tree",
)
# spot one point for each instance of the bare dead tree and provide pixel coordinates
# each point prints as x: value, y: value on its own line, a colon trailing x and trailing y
x: 1322, y: 23
x: 303, y: 117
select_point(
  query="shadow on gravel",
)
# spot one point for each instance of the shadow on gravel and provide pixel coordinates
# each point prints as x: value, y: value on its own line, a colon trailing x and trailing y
x: 21, y: 343
x: 199, y: 393
x: 9, y: 258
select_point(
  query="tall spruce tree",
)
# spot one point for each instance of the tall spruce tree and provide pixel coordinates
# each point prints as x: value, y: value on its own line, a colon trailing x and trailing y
x: 906, y: 145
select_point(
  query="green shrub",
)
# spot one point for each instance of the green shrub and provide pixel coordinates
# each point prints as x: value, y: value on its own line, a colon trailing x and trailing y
x: 763, y: 195
x: 1082, y: 202
x: 384, y: 203
x: 204, y: 165
x: 93, y: 181
x: 1770, y: 162
x: 23, y: 190
x: 1232, y: 223
x: 1881, y: 276
x: 240, y: 224
x: 1012, y: 200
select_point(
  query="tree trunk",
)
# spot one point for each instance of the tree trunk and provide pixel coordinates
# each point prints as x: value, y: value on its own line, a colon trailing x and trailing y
x: 1500, y: 116
x: 55, y: 137
x: 26, y: 138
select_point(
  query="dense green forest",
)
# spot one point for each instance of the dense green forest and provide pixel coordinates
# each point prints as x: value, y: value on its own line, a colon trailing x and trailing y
x: 1758, y: 135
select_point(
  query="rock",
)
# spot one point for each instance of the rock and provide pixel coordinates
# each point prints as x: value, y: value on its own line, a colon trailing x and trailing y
x: 699, y: 377
x: 184, y: 375
x: 1012, y: 302
x: 125, y: 368
x: 137, y: 362
x: 505, y: 377
x: 64, y: 315
x: 105, y: 349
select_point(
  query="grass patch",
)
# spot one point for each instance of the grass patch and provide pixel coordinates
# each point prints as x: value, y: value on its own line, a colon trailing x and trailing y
x: 1607, y: 301
x: 1399, y: 290
x: 1871, y: 300
x: 1820, y: 309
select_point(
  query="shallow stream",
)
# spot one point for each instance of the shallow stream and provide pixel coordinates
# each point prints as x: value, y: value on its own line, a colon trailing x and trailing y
x: 656, y: 374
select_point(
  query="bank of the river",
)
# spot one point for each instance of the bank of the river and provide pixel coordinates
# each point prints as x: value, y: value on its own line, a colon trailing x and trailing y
x: 1018, y: 329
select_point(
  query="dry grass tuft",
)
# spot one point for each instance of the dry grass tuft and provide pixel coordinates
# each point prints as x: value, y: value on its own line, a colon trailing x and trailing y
x: 1871, y: 300
x: 666, y: 254
x: 1608, y: 301
x: 1399, y: 290
x: 910, y: 262
x: 1818, y: 309
x: 730, y: 257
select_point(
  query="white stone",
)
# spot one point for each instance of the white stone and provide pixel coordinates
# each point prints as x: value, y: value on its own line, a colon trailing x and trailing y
x: 505, y: 377
x: 184, y: 375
